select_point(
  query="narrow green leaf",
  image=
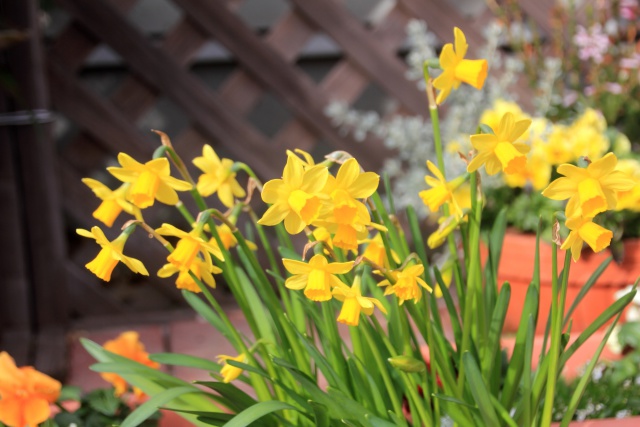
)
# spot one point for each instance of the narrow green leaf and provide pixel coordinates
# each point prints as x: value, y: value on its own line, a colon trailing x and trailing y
x: 238, y: 398
x: 585, y: 288
x: 320, y: 414
x: 256, y: 412
x: 479, y: 391
x: 185, y: 360
x: 149, y: 407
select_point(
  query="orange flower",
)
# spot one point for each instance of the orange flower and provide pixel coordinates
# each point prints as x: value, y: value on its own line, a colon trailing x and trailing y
x: 25, y: 394
x: 127, y: 345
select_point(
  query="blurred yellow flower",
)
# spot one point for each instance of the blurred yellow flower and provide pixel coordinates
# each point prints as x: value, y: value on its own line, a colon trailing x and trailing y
x: 376, y: 253
x: 218, y: 177
x: 585, y: 230
x: 110, y: 254
x: 500, y: 107
x: 630, y: 199
x: 590, y: 190
x: 558, y: 148
x: 149, y: 181
x: 128, y: 345
x: 229, y: 372
x: 317, y: 277
x: 296, y: 198
x: 113, y: 201
x: 537, y: 172
x: 500, y: 151
x: 456, y: 69
x: 353, y: 303
x: 407, y: 284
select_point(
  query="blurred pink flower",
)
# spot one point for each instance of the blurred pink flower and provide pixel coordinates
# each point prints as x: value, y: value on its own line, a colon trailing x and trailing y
x: 592, y: 43
x: 614, y: 88
x: 629, y: 9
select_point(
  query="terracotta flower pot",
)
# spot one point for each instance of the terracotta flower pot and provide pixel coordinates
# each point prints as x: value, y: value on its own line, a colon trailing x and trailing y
x: 516, y: 267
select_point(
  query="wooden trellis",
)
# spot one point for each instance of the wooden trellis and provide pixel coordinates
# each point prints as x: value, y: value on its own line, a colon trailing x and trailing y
x: 266, y: 65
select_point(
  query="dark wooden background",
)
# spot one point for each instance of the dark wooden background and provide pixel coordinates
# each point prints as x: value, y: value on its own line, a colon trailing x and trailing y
x: 45, y: 287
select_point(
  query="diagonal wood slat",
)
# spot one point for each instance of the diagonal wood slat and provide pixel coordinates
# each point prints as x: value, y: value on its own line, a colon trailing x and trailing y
x: 386, y: 69
x: 266, y: 66
x: 161, y: 70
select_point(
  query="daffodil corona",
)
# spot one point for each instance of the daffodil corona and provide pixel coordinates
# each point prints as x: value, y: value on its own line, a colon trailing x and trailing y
x: 353, y: 303
x: 585, y: 230
x: 456, y: 69
x: 407, y: 284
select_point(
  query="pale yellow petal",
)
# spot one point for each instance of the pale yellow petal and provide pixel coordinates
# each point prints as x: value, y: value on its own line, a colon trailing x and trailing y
x: 460, y: 41
x: 561, y: 189
x: 275, y: 214
x: 166, y: 194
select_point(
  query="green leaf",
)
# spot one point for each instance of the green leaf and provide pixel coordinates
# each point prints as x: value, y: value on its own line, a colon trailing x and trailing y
x: 320, y: 414
x: 185, y: 360
x: 70, y: 392
x: 256, y: 412
x: 149, y: 407
x: 587, y: 286
x: 104, y: 401
x: 408, y: 364
x: 479, y: 391
x: 238, y: 398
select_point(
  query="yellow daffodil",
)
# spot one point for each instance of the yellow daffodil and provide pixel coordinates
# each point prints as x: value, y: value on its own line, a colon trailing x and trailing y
x: 349, y: 218
x: 585, y: 230
x: 441, y: 191
x: 353, y: 303
x: 184, y: 281
x: 500, y: 151
x: 456, y: 69
x: 149, y: 181
x: 590, y: 190
x: 500, y: 107
x: 113, y: 201
x: 128, y: 345
x: 407, y: 284
x: 218, y: 177
x: 188, y: 247
x: 295, y: 198
x: 376, y: 253
x: 110, y: 254
x: 630, y: 199
x: 229, y: 372
x: 321, y: 234
x: 26, y: 395
x: 317, y: 278
x: 307, y: 160
x: 587, y: 135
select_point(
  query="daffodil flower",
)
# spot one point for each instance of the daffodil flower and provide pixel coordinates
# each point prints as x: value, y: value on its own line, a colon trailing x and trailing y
x: 585, y: 230
x: 26, y: 395
x: 456, y: 69
x: 349, y: 218
x: 445, y: 227
x: 441, y: 191
x: 630, y: 199
x: 376, y: 252
x: 229, y: 372
x: 295, y: 198
x: 128, y: 345
x: 149, y: 181
x: 407, y: 284
x: 317, y: 277
x: 218, y: 177
x: 590, y: 190
x: 353, y: 303
x: 110, y: 254
x: 113, y: 201
x: 500, y: 151
x: 184, y: 281
x: 188, y: 247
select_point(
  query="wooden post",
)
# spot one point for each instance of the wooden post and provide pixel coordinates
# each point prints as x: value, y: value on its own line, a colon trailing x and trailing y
x: 40, y: 214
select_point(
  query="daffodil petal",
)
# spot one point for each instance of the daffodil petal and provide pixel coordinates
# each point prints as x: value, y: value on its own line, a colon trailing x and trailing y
x: 166, y: 194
